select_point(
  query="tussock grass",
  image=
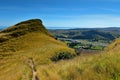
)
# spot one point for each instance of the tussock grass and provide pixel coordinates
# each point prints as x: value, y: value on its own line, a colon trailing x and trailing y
x: 104, y: 66
x: 97, y: 67
x: 39, y: 47
x: 28, y: 39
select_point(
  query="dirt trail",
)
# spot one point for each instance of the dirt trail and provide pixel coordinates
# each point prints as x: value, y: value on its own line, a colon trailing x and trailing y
x: 34, y: 71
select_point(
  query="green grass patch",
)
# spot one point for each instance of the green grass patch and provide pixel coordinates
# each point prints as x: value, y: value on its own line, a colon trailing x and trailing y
x: 97, y: 48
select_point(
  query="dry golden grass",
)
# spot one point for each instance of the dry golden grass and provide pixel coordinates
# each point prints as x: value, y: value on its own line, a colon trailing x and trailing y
x: 99, y: 67
x: 15, y: 52
x: 104, y: 66
x: 14, y: 64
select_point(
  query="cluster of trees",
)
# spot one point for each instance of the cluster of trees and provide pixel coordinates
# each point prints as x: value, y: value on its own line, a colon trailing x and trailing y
x: 85, y: 46
x: 62, y: 55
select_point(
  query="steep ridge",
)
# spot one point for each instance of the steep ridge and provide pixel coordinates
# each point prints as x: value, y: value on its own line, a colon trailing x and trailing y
x: 22, y: 28
x: 25, y: 33
x: 27, y: 39
x: 33, y: 25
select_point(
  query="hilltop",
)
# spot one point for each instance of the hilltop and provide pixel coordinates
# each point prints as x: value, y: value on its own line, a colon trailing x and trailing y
x: 23, y: 32
x: 33, y: 25
x: 28, y: 33
x: 26, y: 40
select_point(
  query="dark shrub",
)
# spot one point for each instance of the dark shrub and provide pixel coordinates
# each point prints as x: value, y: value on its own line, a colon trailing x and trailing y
x: 17, y: 34
x: 62, y: 55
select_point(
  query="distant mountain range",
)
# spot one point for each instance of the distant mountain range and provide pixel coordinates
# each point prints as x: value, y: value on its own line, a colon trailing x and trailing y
x: 107, y: 34
x: 59, y: 28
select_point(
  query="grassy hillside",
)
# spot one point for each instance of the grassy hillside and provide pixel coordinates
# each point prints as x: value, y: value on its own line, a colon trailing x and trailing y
x: 104, y: 66
x: 114, y: 47
x: 40, y: 45
x: 25, y: 40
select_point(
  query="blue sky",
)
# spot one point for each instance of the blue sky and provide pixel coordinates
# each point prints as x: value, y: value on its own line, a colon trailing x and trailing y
x: 62, y: 13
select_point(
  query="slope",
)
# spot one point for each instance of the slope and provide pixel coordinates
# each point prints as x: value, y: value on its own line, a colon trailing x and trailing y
x: 25, y: 40
x: 114, y: 47
x: 104, y: 66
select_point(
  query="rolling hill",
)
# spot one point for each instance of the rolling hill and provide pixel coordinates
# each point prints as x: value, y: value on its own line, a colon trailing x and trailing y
x: 95, y: 34
x: 23, y: 41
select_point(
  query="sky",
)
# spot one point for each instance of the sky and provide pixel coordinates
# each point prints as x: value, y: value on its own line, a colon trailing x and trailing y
x: 62, y: 13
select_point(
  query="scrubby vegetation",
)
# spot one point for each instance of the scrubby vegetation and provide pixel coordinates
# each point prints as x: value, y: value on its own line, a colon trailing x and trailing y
x: 62, y: 56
